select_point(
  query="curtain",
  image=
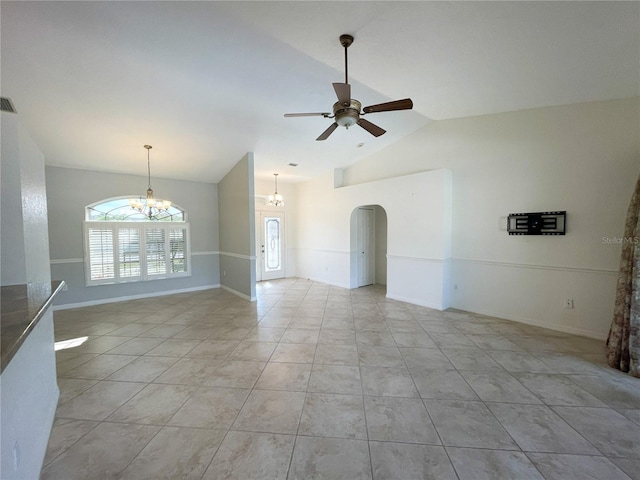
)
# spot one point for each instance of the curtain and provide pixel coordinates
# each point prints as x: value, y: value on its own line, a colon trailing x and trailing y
x: 623, y: 342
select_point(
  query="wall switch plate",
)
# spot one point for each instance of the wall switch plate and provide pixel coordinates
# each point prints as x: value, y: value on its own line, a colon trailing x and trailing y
x: 568, y: 303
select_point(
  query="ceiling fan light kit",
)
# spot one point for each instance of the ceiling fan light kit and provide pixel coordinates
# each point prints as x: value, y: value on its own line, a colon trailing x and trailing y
x: 347, y: 116
x: 348, y: 111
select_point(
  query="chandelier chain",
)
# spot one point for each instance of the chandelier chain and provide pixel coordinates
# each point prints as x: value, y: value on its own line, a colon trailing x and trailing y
x: 276, y: 199
x: 151, y: 207
x: 148, y: 147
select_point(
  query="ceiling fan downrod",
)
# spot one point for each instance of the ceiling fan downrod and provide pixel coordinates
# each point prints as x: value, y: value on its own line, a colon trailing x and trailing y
x: 346, y: 41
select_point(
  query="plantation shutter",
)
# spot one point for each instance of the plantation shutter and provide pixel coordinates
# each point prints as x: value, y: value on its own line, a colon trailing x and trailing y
x: 178, y: 249
x: 129, y: 253
x: 119, y: 252
x: 101, y: 258
x: 156, y: 253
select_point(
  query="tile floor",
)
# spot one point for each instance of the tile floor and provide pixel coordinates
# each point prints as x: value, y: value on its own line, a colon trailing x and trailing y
x: 318, y: 382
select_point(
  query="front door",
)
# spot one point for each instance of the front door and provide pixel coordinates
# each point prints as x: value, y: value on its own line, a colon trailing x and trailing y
x: 270, y: 245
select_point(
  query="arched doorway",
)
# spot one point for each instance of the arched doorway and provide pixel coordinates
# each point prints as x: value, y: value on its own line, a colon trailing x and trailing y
x: 368, y: 240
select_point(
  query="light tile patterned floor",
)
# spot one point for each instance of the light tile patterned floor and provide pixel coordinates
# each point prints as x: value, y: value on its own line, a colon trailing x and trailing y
x: 318, y: 382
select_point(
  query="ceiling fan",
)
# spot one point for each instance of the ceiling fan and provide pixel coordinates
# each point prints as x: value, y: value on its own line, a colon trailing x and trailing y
x: 346, y: 110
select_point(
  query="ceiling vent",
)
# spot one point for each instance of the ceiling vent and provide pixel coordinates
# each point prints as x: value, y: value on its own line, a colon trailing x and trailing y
x: 6, y: 105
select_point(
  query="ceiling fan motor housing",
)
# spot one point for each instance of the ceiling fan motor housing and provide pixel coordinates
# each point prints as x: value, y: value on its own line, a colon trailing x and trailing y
x: 347, y: 116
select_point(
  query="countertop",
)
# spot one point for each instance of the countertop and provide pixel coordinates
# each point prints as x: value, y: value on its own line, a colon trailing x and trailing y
x: 22, y: 306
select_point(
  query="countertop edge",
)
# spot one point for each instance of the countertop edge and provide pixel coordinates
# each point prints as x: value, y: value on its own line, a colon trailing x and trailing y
x: 57, y: 286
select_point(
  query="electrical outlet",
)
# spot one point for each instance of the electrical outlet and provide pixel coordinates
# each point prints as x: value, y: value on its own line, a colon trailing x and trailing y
x: 568, y: 303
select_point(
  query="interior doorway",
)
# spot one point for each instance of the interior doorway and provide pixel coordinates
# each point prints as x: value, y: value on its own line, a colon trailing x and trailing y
x: 270, y: 246
x: 365, y: 242
x: 368, y: 246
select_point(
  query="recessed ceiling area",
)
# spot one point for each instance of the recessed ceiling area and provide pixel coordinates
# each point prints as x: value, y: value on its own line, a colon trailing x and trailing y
x: 206, y: 82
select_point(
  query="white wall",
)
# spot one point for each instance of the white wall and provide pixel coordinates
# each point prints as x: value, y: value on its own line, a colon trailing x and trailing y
x: 28, y: 389
x: 28, y: 395
x: 418, y: 240
x: 12, y: 249
x: 582, y: 158
x: 381, y: 245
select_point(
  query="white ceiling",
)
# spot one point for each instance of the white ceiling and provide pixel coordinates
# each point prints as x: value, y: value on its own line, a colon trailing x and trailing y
x: 206, y: 82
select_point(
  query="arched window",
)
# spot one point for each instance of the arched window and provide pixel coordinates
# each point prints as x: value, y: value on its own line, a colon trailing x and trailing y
x: 124, y: 245
x: 119, y: 210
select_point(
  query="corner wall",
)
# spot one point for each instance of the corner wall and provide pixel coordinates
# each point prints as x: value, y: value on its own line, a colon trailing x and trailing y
x: 418, y: 239
x: 28, y: 389
x: 583, y: 158
x: 12, y: 246
x: 237, y: 229
x: 381, y: 245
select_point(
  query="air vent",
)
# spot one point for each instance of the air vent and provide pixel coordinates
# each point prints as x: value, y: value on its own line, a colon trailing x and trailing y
x: 6, y: 105
x: 294, y: 164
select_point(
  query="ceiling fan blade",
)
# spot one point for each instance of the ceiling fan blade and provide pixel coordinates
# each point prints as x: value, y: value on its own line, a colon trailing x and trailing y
x: 404, y: 104
x: 325, y: 114
x: 343, y: 91
x: 328, y: 131
x: 372, y: 128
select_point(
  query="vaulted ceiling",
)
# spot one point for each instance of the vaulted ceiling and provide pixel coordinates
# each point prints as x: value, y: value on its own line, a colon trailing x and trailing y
x: 206, y: 82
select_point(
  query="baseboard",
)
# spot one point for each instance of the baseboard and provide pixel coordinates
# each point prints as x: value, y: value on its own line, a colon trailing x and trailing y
x: 550, y: 326
x: 239, y: 294
x: 330, y: 283
x: 102, y: 301
x: 413, y: 301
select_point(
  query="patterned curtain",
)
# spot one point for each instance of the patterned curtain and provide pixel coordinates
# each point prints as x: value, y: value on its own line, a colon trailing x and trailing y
x: 623, y: 343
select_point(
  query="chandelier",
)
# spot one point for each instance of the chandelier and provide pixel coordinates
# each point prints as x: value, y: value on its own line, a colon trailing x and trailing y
x: 149, y: 207
x: 276, y: 199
